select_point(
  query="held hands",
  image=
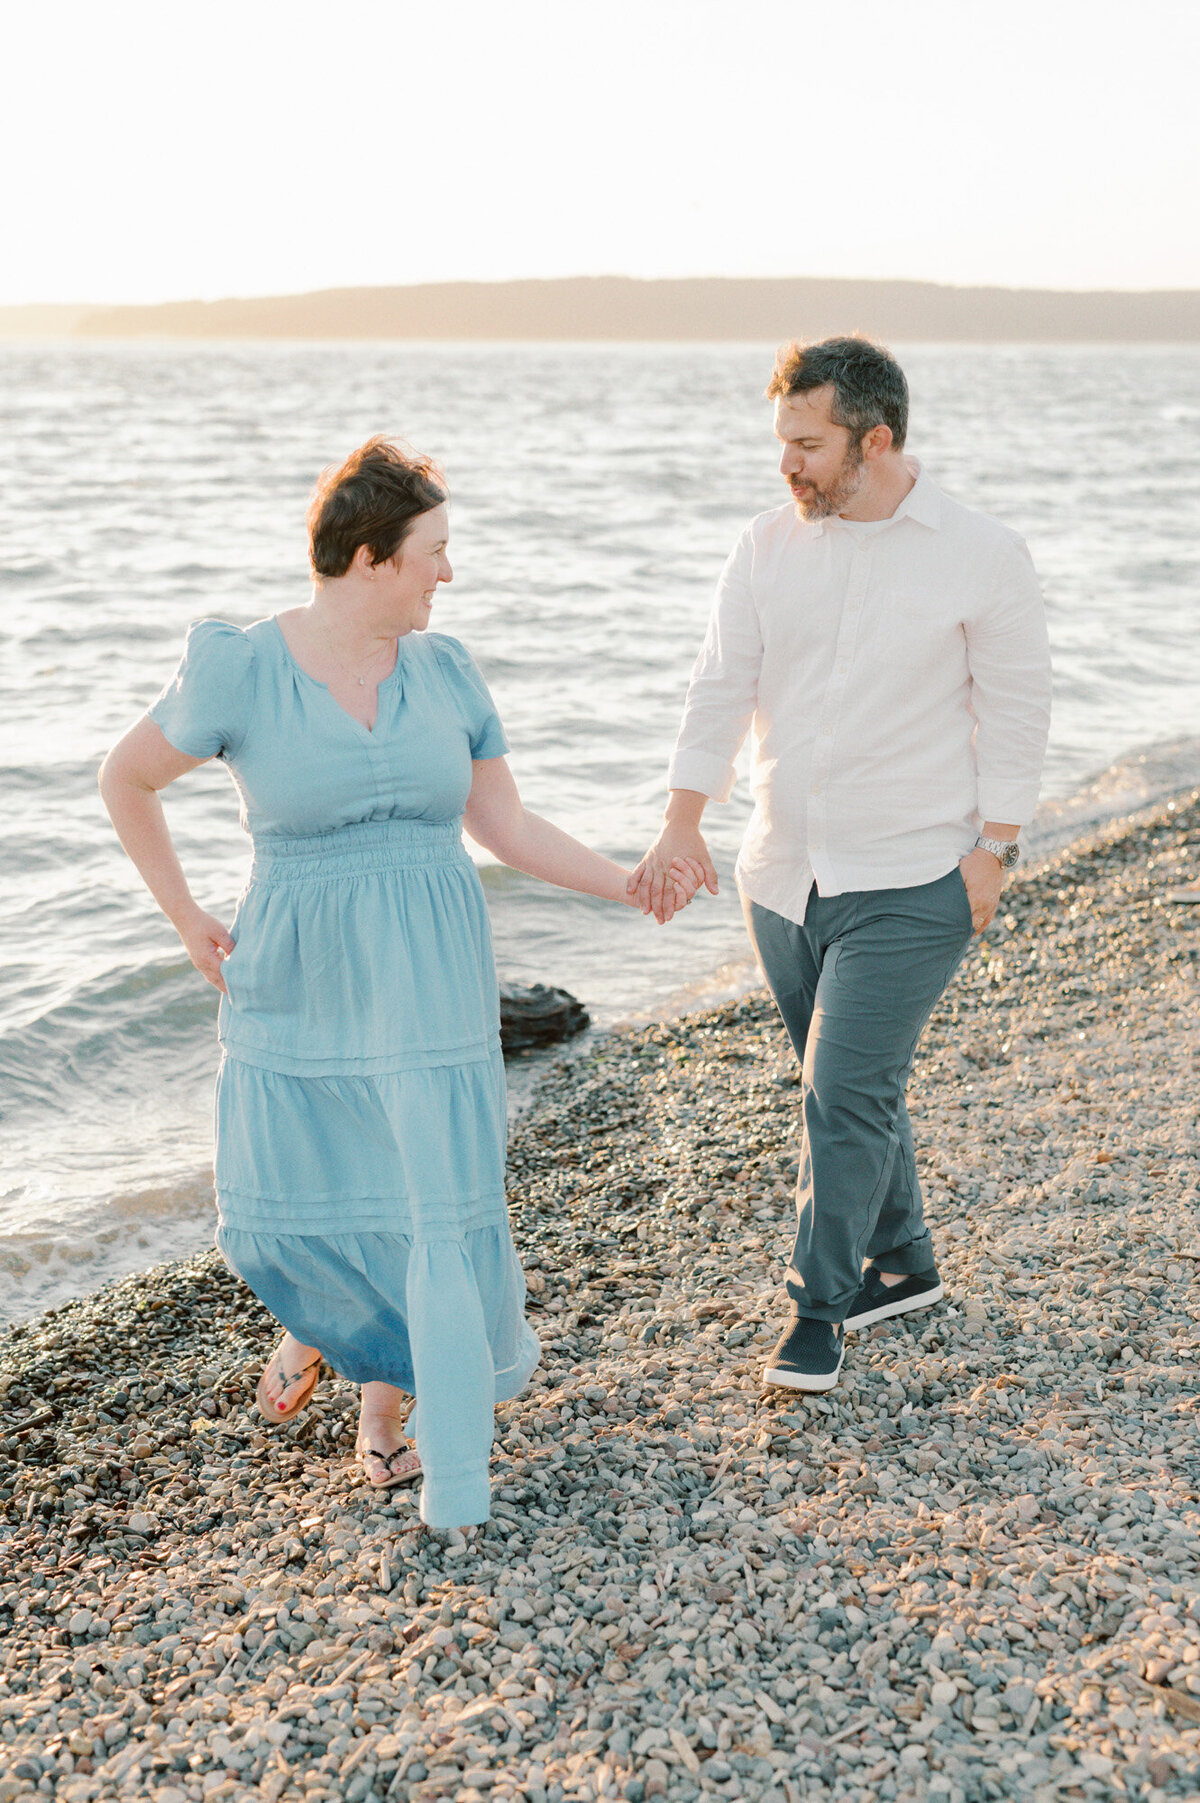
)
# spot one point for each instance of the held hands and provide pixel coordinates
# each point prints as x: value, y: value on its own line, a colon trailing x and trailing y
x: 671, y: 873
x: 983, y: 876
x: 681, y: 883
x: 207, y: 945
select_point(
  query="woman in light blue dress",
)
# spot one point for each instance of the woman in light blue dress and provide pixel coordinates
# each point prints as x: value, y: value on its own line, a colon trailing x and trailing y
x: 360, y: 1102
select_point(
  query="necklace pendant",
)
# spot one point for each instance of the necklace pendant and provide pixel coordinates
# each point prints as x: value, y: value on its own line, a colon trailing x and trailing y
x: 362, y: 683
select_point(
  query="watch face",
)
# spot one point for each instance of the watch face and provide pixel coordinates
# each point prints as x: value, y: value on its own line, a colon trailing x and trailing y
x: 1009, y: 856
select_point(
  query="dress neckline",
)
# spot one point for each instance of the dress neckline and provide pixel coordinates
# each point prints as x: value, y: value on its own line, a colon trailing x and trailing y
x: 316, y: 682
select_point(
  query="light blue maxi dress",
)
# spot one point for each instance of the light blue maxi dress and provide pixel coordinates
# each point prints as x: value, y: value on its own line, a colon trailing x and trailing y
x: 360, y: 1109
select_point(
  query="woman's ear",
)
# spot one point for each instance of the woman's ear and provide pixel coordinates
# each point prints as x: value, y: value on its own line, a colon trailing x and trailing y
x: 362, y: 564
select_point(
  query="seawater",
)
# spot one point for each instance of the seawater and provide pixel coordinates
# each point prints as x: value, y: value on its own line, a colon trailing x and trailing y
x: 596, y: 491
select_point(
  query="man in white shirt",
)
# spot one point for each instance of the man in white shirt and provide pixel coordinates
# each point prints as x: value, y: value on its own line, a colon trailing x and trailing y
x: 886, y: 649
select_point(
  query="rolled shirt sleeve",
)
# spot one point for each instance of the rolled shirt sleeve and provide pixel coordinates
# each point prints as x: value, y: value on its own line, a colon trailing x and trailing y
x: 1008, y: 654
x: 723, y: 691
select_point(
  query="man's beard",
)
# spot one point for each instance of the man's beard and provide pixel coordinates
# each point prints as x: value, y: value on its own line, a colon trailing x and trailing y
x: 819, y: 503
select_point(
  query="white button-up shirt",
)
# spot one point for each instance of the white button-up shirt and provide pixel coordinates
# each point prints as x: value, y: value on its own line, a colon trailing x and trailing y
x: 895, y: 676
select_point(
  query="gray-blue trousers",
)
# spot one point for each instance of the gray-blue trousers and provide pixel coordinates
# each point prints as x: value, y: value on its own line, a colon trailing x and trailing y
x: 855, y: 985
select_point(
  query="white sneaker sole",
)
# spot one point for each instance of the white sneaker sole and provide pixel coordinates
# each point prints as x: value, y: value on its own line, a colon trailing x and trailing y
x: 887, y: 1311
x: 798, y: 1380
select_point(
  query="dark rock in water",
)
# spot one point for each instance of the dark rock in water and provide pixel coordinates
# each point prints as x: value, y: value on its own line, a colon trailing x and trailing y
x: 538, y: 1016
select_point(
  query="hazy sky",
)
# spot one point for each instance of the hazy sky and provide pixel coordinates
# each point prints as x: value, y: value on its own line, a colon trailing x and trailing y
x: 160, y: 150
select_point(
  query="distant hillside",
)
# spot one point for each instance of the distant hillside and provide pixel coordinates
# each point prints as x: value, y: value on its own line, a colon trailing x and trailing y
x: 40, y: 322
x: 620, y: 307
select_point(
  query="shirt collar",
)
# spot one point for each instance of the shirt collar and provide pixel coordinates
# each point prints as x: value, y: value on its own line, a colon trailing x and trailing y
x: 922, y: 503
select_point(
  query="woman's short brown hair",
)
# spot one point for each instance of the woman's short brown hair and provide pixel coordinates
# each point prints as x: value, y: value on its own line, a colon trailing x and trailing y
x: 372, y: 499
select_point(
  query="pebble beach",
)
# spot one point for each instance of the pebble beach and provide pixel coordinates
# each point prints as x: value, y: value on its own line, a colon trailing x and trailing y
x: 970, y: 1572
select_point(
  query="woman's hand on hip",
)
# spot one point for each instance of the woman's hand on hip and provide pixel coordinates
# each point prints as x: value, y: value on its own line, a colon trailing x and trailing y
x: 207, y: 945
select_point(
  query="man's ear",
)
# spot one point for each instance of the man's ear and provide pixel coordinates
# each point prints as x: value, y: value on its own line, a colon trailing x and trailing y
x: 362, y: 564
x: 877, y: 442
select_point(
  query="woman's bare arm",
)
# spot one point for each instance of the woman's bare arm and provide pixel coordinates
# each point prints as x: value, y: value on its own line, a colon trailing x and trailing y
x: 136, y: 768
x: 496, y: 818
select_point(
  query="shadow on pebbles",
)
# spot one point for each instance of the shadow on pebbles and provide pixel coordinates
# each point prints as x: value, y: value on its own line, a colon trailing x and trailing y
x: 970, y: 1572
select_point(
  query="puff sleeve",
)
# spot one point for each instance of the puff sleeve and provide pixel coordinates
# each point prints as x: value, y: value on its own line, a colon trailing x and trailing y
x: 472, y: 699
x: 204, y: 711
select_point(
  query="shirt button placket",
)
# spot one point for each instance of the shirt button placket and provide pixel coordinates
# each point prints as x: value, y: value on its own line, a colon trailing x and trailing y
x: 833, y: 703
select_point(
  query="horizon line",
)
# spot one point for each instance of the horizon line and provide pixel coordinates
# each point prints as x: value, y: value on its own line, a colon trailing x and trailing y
x: 606, y: 276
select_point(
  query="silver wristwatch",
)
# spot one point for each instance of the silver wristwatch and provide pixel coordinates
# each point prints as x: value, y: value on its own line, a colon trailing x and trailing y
x: 1007, y: 850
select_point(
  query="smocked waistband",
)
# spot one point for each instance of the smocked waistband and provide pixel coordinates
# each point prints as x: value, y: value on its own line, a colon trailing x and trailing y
x: 358, y: 850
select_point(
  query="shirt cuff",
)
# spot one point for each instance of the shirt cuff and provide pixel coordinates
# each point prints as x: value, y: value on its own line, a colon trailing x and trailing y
x: 1008, y: 801
x: 702, y: 771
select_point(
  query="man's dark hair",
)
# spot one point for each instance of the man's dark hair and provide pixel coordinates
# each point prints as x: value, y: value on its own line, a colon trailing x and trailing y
x: 868, y: 384
x: 372, y: 499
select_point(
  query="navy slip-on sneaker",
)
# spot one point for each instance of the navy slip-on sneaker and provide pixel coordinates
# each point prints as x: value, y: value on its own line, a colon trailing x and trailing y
x: 879, y: 1301
x: 808, y: 1357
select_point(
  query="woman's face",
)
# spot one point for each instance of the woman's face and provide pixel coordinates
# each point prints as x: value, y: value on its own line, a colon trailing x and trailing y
x: 406, y: 583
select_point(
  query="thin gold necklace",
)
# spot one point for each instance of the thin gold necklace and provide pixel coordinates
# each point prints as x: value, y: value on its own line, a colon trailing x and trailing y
x: 345, y: 668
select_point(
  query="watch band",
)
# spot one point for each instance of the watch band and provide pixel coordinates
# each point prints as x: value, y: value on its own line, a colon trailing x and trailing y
x: 1006, y: 850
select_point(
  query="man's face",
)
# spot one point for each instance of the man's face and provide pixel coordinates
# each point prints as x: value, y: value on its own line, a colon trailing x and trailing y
x: 822, y: 463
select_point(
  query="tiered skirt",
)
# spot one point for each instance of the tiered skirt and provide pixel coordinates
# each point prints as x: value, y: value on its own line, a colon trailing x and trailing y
x: 361, y: 1129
